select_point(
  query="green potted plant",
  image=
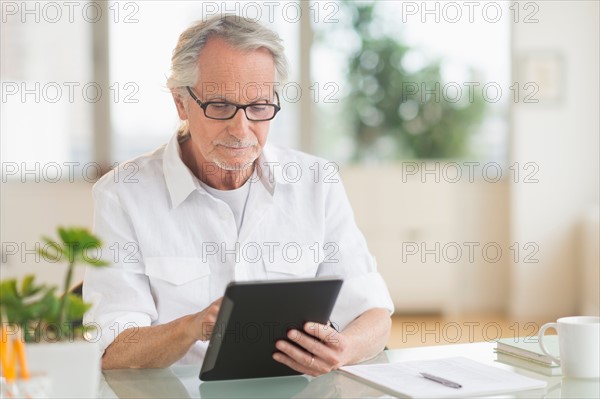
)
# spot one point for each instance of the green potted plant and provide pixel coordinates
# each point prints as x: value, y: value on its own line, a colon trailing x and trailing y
x: 50, y: 320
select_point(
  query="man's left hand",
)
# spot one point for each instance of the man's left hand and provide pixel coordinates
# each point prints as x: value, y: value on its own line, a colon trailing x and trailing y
x: 317, y: 350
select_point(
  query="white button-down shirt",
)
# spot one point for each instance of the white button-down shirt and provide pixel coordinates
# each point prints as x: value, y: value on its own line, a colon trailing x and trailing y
x: 173, y: 247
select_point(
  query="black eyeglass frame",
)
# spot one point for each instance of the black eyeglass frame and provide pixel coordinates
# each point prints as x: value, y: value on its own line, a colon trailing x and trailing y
x: 205, y: 105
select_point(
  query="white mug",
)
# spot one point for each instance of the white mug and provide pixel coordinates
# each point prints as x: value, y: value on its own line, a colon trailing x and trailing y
x: 579, y: 345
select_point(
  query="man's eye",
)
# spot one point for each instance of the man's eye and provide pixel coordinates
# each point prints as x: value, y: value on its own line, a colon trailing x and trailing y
x: 258, y: 108
x: 220, y: 105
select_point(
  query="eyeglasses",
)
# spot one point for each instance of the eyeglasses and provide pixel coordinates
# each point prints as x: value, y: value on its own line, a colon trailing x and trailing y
x: 221, y: 111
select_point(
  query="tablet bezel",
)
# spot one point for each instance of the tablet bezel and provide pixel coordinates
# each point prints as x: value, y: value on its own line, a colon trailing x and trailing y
x: 291, y: 304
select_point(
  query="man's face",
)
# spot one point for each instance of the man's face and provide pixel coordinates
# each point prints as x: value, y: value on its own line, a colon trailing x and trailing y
x: 229, y: 75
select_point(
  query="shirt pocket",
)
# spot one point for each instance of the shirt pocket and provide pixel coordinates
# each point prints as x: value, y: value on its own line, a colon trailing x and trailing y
x: 299, y: 263
x: 179, y: 283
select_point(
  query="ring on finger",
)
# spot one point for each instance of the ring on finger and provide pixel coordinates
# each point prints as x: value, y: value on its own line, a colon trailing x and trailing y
x: 312, y: 360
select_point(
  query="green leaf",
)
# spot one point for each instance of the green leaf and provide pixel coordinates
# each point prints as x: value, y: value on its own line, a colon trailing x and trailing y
x: 47, y: 308
x: 52, y: 251
x: 64, y: 234
x: 76, y: 308
x: 8, y: 289
x: 28, y: 304
x: 27, y: 284
x: 77, y: 246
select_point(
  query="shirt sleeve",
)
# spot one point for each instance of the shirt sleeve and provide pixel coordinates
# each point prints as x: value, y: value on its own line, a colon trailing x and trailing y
x: 363, y: 287
x: 119, y: 293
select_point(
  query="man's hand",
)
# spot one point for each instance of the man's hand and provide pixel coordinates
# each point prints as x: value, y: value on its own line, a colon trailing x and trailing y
x: 319, y: 349
x: 204, y: 321
x: 322, y: 349
x: 162, y: 345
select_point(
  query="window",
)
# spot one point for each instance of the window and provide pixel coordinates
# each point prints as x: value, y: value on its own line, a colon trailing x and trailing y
x: 412, y: 80
x: 52, y: 94
x: 144, y: 115
x: 48, y: 91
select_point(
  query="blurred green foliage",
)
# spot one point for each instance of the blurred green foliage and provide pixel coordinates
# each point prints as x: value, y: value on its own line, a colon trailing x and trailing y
x: 392, y: 115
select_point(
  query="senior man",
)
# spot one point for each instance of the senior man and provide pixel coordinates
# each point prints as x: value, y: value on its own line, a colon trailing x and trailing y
x: 217, y: 204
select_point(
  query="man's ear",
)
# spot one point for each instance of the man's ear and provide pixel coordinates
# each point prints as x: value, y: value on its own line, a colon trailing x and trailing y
x: 180, y: 107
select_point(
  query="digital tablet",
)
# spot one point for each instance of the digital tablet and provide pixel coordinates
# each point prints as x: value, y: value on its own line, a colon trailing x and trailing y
x: 254, y: 315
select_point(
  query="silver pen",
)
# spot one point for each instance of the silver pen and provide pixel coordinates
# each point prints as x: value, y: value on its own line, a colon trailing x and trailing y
x: 441, y: 380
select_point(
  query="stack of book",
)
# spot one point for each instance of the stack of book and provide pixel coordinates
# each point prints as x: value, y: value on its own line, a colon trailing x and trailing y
x: 525, y: 352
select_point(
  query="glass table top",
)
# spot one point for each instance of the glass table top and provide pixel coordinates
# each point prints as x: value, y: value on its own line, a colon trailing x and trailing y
x: 183, y: 382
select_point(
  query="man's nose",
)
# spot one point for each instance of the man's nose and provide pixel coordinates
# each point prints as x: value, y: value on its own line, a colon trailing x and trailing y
x: 239, y: 124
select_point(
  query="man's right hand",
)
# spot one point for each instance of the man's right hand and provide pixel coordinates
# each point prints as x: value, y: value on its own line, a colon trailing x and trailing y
x: 204, y: 322
x: 161, y: 345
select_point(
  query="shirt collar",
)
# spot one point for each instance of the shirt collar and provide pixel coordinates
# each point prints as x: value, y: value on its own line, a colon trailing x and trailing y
x: 270, y: 168
x: 181, y: 182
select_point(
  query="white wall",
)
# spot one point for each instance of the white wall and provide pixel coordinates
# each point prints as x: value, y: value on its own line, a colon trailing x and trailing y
x: 562, y: 138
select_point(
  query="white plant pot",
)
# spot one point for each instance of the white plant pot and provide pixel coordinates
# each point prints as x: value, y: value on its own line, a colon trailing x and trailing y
x: 74, y: 368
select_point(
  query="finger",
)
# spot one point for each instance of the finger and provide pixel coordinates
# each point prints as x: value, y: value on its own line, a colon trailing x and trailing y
x: 300, y: 356
x: 293, y: 364
x: 284, y: 359
x: 217, y: 302
x: 213, y: 308
x: 325, y: 333
x: 308, y: 342
x: 307, y: 360
x: 333, y: 345
x: 207, y: 329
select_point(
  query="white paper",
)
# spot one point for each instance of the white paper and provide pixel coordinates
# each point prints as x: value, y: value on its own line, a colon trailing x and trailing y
x: 405, y: 378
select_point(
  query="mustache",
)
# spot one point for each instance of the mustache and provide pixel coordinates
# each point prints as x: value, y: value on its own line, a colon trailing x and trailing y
x: 235, y: 143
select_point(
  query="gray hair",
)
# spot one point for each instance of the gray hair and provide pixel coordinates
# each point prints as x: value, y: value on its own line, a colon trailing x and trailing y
x: 242, y: 33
